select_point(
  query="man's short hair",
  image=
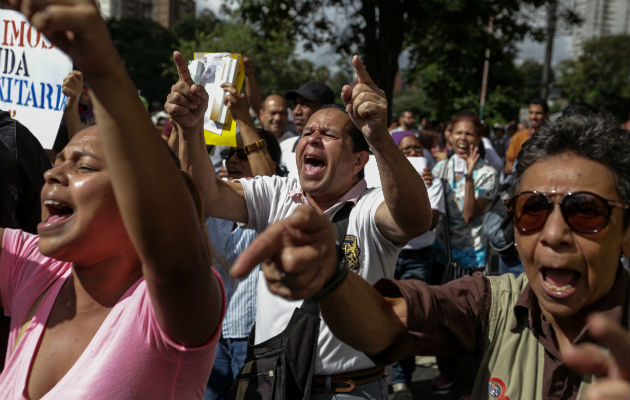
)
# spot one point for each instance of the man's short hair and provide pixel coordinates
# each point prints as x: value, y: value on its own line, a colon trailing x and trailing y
x: 540, y: 102
x: 596, y: 137
x: 358, y: 140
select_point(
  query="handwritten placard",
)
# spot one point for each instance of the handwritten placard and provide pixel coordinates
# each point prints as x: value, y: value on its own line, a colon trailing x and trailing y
x: 31, y: 74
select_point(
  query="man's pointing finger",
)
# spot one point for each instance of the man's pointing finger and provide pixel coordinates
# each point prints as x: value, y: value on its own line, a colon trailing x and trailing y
x: 362, y: 75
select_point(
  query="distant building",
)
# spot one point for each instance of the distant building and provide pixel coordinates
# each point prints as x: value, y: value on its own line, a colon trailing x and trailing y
x: 601, y: 17
x: 164, y: 12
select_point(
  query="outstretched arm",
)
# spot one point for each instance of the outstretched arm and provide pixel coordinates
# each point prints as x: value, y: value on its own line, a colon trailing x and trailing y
x: 303, y: 248
x: 186, y: 105
x: 152, y: 197
x: 406, y: 212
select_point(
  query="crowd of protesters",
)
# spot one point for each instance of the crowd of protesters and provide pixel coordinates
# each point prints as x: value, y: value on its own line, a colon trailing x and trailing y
x: 160, y: 266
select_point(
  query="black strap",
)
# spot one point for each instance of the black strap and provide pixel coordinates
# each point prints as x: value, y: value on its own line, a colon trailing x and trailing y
x: 340, y: 220
x: 296, y: 142
x: 447, y: 242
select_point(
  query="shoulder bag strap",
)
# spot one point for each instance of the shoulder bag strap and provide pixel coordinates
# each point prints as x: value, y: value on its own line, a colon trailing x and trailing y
x: 340, y: 220
x: 447, y: 240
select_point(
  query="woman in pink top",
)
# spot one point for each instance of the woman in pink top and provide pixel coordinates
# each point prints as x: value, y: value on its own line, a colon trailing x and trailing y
x: 115, y: 299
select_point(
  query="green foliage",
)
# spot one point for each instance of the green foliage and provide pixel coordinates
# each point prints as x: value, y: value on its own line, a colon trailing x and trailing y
x: 146, y: 48
x: 414, y: 100
x: 276, y: 67
x: 448, y: 51
x: 599, y: 77
x: 446, y: 41
x: 188, y: 26
x: 529, y: 74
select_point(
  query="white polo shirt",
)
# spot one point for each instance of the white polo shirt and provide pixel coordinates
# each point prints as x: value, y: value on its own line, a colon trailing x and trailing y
x: 288, y: 156
x: 273, y: 198
x: 436, y: 198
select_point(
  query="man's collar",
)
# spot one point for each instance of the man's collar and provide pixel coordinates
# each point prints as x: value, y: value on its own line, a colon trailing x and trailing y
x: 354, y: 193
x: 297, y: 195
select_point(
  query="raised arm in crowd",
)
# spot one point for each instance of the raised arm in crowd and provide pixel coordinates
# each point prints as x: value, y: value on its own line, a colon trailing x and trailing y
x: 121, y: 237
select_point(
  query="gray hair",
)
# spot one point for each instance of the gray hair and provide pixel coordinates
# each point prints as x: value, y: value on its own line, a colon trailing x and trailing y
x: 596, y: 137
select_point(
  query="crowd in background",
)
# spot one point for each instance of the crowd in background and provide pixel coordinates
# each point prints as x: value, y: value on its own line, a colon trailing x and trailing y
x: 133, y: 277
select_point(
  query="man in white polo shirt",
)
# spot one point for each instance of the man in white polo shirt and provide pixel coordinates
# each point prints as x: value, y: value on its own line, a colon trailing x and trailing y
x: 330, y: 156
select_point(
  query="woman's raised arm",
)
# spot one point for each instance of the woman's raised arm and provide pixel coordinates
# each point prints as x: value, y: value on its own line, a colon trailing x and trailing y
x: 154, y: 202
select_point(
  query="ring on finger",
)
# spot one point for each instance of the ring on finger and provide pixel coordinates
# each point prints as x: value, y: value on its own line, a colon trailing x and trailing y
x: 283, y: 279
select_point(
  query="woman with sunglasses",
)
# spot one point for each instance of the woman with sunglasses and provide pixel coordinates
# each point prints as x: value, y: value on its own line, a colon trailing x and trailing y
x: 571, y: 216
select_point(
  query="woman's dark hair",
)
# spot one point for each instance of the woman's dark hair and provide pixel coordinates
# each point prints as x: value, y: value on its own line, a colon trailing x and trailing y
x: 596, y: 137
x: 468, y: 116
x: 274, y: 150
x: 427, y: 138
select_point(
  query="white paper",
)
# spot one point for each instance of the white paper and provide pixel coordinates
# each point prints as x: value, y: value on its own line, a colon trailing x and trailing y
x: 373, y: 177
x: 210, y: 71
x: 31, y: 76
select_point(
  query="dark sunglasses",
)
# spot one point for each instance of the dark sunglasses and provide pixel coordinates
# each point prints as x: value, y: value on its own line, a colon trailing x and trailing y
x: 227, y: 153
x: 408, y: 149
x: 584, y: 212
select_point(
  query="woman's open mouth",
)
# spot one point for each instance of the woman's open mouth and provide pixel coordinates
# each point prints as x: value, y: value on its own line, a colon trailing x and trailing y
x: 58, y: 213
x: 559, y: 282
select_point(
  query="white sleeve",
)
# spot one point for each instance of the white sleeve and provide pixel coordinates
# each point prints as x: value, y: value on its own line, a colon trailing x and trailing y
x: 267, y: 200
x: 491, y: 155
x: 436, y: 195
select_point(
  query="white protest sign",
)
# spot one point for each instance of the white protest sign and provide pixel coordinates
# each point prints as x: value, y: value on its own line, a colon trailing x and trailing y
x: 373, y: 178
x: 31, y: 75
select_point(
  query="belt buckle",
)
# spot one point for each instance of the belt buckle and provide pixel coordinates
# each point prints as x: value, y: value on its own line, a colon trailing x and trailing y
x: 351, y: 385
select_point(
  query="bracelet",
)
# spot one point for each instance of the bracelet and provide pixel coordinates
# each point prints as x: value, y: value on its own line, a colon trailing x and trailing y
x: 340, y: 274
x: 253, y: 147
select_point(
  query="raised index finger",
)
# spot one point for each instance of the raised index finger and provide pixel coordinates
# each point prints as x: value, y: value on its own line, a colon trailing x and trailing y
x: 362, y: 75
x: 182, y: 68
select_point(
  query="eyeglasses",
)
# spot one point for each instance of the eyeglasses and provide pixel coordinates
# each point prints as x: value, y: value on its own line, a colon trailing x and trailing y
x: 584, y: 212
x: 227, y: 153
x: 409, y: 149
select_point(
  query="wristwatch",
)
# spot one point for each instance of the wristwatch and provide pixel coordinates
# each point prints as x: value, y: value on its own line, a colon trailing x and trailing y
x: 253, y: 147
x: 340, y: 274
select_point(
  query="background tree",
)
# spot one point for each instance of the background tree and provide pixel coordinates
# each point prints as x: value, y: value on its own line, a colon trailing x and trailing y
x: 446, y: 39
x: 599, y: 76
x: 187, y: 27
x: 530, y: 76
x: 145, y: 48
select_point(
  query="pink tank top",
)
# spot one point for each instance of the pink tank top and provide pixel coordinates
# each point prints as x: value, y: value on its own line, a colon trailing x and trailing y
x: 129, y: 357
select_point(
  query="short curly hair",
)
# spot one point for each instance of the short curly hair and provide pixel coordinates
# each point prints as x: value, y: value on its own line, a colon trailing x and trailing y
x: 596, y: 137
